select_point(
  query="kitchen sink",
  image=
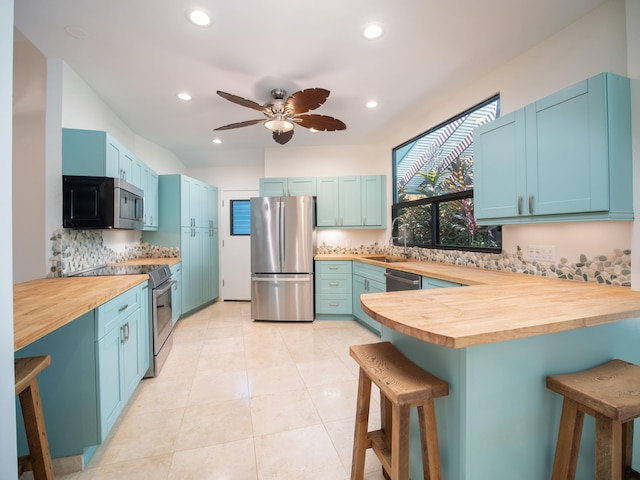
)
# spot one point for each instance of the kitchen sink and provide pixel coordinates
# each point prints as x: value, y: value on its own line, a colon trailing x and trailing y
x: 387, y: 259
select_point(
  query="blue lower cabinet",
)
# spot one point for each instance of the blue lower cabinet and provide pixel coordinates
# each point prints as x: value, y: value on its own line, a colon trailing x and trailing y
x: 428, y: 282
x: 97, y: 362
x: 119, y: 357
x: 367, y: 279
x: 68, y: 388
x: 333, y: 289
x: 176, y: 292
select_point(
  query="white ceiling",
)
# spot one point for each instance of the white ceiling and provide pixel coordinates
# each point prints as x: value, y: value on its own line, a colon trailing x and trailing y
x: 139, y: 54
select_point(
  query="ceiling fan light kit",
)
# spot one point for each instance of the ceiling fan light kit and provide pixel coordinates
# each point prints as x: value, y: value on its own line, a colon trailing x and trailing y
x: 279, y: 124
x: 282, y: 115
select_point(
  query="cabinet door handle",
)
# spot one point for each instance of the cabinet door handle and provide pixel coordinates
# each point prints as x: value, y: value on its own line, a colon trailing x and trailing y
x: 333, y: 284
x: 530, y: 203
x: 122, y: 309
x: 334, y: 304
x: 519, y: 204
x: 333, y: 267
x: 122, y: 336
x: 364, y: 220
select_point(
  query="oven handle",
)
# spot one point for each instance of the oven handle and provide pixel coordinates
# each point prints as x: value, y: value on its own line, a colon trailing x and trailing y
x: 162, y: 289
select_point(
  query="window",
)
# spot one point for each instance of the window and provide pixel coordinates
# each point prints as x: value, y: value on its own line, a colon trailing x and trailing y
x: 433, y: 186
x: 240, y: 217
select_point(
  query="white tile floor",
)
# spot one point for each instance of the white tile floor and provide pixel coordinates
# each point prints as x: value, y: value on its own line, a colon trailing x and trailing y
x: 242, y: 400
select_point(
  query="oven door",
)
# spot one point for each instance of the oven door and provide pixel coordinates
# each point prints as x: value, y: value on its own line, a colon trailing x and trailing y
x: 161, y: 312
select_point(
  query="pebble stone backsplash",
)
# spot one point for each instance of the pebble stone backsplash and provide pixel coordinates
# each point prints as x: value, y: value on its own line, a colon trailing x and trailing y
x: 612, y: 269
x: 74, y: 250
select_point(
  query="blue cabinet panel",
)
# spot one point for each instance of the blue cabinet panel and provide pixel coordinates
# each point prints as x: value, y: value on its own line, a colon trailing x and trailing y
x: 565, y: 157
x: 333, y: 286
x: 68, y: 388
x: 367, y: 279
x: 188, y: 219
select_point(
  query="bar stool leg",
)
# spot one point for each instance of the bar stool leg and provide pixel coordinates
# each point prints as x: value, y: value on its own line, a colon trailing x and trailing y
x: 361, y: 441
x: 429, y: 441
x: 386, y: 418
x: 568, y: 446
x: 400, y: 428
x: 627, y: 447
x: 36, y: 432
x: 608, y: 448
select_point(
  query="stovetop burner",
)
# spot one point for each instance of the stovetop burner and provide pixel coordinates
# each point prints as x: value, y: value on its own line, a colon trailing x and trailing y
x: 157, y: 273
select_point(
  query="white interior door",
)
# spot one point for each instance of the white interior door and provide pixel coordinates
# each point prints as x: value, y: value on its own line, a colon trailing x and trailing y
x: 235, y: 254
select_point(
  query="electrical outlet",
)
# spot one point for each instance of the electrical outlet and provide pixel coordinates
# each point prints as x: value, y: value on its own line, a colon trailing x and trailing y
x: 542, y: 253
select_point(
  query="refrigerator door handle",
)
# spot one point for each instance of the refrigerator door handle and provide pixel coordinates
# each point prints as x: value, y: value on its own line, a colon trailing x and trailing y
x: 281, y: 226
x: 273, y: 280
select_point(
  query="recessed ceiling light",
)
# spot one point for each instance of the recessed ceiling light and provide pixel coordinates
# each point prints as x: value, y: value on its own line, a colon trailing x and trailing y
x: 184, y: 96
x: 198, y: 17
x: 76, y: 32
x: 371, y: 104
x: 372, y: 31
x: 217, y: 140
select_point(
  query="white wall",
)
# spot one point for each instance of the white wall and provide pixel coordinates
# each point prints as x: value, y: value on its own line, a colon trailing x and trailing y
x: 29, y: 106
x: 594, y: 43
x: 8, y: 452
x: 633, y: 70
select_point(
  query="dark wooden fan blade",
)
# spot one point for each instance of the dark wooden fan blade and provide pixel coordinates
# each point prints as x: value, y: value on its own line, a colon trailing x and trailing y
x: 239, y: 124
x: 305, y: 100
x: 241, y: 101
x: 319, y: 122
x: 283, y: 137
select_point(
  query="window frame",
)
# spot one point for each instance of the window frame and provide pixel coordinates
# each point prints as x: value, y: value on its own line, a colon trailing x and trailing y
x: 231, y: 217
x: 435, y: 201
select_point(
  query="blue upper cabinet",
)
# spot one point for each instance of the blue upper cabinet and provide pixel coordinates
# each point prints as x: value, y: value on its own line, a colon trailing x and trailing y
x: 565, y: 157
x: 351, y: 201
x: 499, y: 167
x: 96, y: 153
x: 282, y: 187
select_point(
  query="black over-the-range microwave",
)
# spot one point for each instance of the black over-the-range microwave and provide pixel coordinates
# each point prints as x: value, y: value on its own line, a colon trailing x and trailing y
x: 101, y: 203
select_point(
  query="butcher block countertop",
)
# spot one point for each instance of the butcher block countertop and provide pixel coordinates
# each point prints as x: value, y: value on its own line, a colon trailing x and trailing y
x: 43, y: 305
x: 494, y: 307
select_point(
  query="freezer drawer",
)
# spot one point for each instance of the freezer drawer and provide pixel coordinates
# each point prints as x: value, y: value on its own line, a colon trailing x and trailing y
x: 282, y: 297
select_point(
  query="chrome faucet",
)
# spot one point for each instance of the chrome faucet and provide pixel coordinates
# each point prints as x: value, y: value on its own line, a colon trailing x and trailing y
x: 405, y: 253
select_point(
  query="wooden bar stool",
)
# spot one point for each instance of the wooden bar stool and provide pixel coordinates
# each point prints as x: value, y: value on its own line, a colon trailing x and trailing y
x: 402, y: 385
x: 39, y: 458
x: 611, y: 394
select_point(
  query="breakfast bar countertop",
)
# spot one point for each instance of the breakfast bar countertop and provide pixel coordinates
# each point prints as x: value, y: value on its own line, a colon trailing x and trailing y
x: 494, y: 307
x: 43, y: 305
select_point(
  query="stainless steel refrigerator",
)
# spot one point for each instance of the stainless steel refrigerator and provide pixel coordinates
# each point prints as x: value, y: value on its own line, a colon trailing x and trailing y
x: 283, y: 243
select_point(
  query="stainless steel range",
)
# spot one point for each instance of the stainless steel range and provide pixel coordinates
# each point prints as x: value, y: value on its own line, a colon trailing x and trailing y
x: 161, y: 328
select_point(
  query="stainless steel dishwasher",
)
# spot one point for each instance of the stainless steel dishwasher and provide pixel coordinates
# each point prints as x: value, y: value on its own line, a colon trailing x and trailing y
x: 397, y: 280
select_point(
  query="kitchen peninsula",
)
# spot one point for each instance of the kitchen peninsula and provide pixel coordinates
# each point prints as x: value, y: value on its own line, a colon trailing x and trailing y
x: 495, y: 341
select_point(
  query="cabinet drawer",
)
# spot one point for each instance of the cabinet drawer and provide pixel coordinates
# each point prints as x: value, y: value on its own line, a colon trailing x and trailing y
x: 342, y: 267
x: 109, y: 315
x: 371, y: 272
x: 334, y: 304
x: 333, y: 284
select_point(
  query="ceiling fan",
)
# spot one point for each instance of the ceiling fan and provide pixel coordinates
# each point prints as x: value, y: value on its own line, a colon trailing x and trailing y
x: 283, y: 114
